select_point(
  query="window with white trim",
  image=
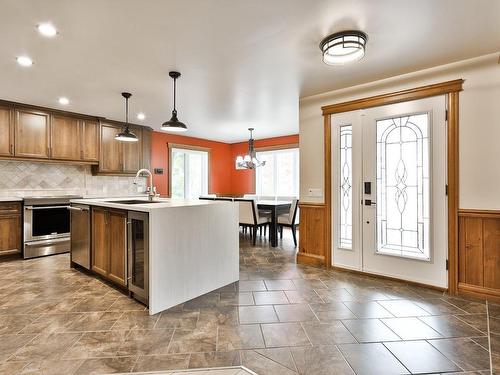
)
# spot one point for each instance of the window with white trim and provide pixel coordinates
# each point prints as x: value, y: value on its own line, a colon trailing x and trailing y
x: 280, y: 175
x: 188, y: 173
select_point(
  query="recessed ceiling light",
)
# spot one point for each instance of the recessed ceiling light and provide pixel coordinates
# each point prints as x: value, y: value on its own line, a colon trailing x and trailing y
x: 141, y: 116
x: 24, y: 61
x: 343, y: 47
x: 47, y: 29
x: 64, y: 101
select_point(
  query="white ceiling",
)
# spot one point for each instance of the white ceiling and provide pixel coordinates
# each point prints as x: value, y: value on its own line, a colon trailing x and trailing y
x: 243, y: 62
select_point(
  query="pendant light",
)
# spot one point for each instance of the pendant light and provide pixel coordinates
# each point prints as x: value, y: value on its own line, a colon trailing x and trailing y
x: 249, y: 161
x: 126, y: 135
x: 174, y: 125
x: 343, y: 47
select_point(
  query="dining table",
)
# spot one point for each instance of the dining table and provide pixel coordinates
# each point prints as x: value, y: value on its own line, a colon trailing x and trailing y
x: 276, y: 208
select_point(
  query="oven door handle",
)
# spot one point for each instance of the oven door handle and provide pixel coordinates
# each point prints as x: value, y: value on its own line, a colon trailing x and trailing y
x: 31, y: 208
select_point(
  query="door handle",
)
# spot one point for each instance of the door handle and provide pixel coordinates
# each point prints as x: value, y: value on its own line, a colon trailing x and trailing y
x: 369, y: 202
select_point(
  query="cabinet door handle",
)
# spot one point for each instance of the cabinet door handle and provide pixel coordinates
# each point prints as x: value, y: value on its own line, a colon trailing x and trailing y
x: 12, y: 149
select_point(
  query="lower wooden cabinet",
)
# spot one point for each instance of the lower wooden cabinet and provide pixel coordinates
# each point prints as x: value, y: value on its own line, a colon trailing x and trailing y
x: 10, y: 228
x: 478, y: 252
x: 109, y: 244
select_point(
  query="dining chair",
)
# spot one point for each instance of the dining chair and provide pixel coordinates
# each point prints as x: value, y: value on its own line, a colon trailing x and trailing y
x: 250, y: 217
x: 290, y: 220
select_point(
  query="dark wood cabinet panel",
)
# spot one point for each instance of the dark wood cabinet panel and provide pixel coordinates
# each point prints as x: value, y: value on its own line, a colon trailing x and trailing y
x: 109, y: 244
x: 111, y: 150
x: 117, y: 247
x: 100, y: 239
x: 6, y: 132
x: 491, y: 232
x: 479, y: 253
x: 10, y: 228
x: 65, y: 139
x: 474, y: 251
x: 132, y: 153
x: 90, y: 140
x: 32, y: 134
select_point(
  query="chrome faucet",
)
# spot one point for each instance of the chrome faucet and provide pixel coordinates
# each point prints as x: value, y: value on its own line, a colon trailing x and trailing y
x: 151, y: 190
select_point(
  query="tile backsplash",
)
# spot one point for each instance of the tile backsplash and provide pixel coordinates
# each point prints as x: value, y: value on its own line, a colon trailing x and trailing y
x: 25, y: 178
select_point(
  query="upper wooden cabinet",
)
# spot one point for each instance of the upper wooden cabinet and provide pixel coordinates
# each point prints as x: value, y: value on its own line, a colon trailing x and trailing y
x: 65, y: 138
x: 32, y: 134
x: 118, y: 158
x: 132, y: 153
x: 90, y: 140
x: 6, y: 132
x: 111, y: 150
x: 35, y: 133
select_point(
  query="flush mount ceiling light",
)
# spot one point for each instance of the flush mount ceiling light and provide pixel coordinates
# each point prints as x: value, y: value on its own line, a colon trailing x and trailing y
x: 141, y: 116
x: 126, y: 135
x: 174, y: 125
x: 249, y: 161
x: 343, y: 47
x: 24, y: 61
x: 47, y: 29
x: 63, y: 101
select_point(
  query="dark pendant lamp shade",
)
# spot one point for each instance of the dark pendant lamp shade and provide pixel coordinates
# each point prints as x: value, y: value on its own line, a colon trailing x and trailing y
x: 126, y: 135
x: 174, y: 125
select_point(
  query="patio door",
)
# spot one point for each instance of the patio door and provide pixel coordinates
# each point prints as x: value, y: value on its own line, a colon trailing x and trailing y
x: 389, y: 199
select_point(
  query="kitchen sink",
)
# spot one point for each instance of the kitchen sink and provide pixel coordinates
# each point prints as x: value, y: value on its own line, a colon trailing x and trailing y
x: 132, y: 201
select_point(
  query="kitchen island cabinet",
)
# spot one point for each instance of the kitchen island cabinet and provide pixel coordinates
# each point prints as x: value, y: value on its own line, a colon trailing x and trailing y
x: 192, y: 246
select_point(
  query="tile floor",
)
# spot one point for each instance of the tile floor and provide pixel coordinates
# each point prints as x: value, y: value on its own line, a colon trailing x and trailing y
x: 281, y: 318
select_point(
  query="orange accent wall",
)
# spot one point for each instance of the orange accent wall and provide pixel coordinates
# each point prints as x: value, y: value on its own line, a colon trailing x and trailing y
x: 220, y: 156
x: 224, y: 178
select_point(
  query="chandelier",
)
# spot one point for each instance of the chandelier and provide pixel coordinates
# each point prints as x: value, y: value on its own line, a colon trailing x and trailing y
x: 249, y: 161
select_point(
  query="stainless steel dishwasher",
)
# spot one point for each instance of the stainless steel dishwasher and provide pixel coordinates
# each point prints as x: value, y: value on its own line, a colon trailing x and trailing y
x: 80, y: 235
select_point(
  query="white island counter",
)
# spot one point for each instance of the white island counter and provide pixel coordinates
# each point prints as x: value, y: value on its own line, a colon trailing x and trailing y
x: 193, y: 246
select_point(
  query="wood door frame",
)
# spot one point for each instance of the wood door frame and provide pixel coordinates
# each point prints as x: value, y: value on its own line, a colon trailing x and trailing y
x: 449, y: 88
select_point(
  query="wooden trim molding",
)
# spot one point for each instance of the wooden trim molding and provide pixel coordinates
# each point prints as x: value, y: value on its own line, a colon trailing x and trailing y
x: 395, y: 97
x: 277, y: 147
x: 451, y: 89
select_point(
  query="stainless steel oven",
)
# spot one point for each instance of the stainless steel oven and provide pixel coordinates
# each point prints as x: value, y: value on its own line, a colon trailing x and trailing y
x: 46, y: 226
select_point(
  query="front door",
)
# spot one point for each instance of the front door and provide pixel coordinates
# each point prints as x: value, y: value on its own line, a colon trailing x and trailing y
x: 389, y: 200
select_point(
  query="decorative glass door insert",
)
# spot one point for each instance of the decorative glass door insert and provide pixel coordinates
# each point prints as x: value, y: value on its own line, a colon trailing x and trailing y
x: 403, y: 171
x: 345, y: 190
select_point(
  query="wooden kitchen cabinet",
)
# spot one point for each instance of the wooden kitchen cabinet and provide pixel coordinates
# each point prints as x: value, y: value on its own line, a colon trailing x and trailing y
x: 89, y: 140
x: 109, y: 244
x: 111, y: 150
x: 65, y: 138
x: 10, y: 228
x: 132, y: 153
x: 6, y: 132
x: 99, y: 241
x: 32, y: 134
x: 123, y: 158
x: 118, y: 247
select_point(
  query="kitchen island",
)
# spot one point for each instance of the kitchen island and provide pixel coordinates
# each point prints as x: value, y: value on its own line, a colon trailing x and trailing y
x: 188, y: 248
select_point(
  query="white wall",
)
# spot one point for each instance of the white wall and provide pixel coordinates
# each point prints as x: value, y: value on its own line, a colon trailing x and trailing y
x: 479, y: 127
